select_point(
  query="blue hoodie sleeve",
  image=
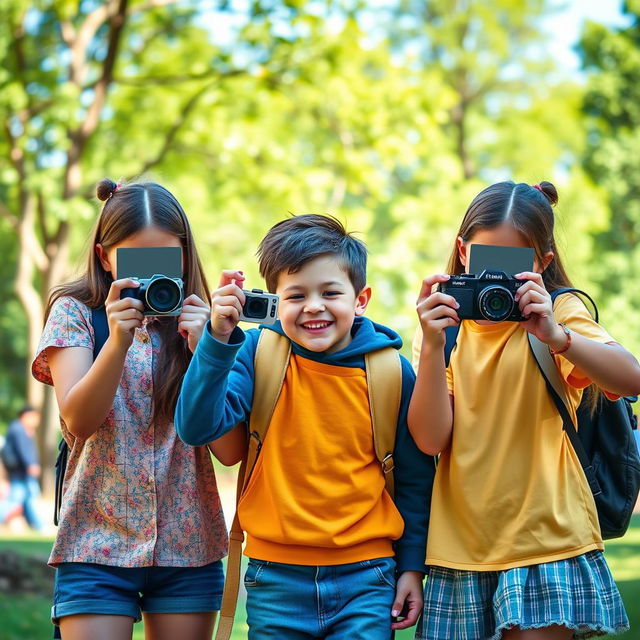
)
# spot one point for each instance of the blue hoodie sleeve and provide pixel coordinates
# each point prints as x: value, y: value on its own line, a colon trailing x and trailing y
x: 413, y: 479
x: 217, y: 388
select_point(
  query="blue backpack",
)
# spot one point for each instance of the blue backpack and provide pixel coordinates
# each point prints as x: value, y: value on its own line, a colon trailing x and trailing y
x: 101, y: 333
x: 604, y: 440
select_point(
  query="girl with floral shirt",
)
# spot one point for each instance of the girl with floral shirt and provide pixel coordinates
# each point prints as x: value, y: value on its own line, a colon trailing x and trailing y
x: 141, y: 526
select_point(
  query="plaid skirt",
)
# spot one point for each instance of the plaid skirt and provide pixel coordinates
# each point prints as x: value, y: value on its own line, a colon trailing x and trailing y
x: 578, y: 593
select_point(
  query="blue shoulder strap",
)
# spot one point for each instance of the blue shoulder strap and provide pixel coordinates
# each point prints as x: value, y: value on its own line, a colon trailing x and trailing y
x: 100, y: 329
x: 451, y: 335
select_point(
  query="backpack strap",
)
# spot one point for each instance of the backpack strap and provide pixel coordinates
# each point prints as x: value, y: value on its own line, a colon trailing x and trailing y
x: 100, y: 329
x: 60, y: 468
x: 384, y: 385
x: 100, y: 335
x: 450, y: 337
x: 558, y: 292
x: 547, y: 365
x: 271, y: 362
x: 270, y: 367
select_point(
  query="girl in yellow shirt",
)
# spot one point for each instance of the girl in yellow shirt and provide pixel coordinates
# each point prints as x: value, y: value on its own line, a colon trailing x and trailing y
x: 514, y: 546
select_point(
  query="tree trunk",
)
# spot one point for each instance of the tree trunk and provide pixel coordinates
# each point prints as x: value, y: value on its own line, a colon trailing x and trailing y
x: 50, y: 424
x: 27, y: 294
x: 31, y: 258
x: 48, y: 437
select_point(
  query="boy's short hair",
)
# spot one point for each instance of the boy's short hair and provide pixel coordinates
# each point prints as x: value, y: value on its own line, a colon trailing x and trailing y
x: 293, y: 242
x: 27, y: 408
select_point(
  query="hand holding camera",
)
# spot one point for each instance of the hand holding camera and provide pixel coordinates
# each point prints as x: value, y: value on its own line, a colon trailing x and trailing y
x: 124, y: 315
x: 489, y: 293
x: 230, y: 304
x: 226, y: 304
x: 192, y: 320
x: 536, y: 308
x: 491, y: 296
x: 154, y: 283
x: 436, y: 311
x: 150, y: 284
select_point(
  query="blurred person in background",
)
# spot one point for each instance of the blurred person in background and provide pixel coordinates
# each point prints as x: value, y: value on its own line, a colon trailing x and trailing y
x: 20, y: 458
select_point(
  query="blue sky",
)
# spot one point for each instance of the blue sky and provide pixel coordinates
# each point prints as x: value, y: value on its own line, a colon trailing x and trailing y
x: 566, y: 25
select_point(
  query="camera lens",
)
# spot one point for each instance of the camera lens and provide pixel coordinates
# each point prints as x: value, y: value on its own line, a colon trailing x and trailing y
x: 163, y: 295
x: 255, y: 307
x: 495, y: 303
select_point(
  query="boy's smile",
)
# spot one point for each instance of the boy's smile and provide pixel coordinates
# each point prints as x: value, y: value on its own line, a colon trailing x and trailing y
x: 318, y: 305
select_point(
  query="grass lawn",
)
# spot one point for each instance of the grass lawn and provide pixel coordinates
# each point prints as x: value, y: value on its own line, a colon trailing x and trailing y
x: 27, y: 617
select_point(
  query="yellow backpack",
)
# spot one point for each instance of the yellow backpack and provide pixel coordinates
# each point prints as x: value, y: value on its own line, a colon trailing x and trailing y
x: 384, y: 382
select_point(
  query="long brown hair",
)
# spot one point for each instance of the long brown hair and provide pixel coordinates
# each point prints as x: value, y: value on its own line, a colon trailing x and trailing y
x: 128, y: 209
x: 529, y: 210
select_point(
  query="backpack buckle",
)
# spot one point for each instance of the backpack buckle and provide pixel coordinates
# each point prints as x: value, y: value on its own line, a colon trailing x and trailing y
x: 594, y: 485
x: 388, y: 463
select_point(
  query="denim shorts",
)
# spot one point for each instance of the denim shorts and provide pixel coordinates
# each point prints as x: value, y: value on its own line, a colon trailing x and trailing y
x: 337, y: 602
x: 83, y: 587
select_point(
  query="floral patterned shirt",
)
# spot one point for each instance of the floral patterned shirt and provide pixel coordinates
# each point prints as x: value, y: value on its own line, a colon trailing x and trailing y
x: 134, y: 494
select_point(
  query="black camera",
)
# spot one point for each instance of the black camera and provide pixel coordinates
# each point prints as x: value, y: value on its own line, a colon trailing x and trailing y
x: 488, y: 296
x: 161, y: 295
x: 259, y: 307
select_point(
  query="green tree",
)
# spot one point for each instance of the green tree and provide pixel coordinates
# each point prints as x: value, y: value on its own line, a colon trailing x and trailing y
x: 392, y: 120
x: 504, y: 110
x: 611, y: 57
x: 63, y: 65
x: 122, y: 88
x: 490, y: 55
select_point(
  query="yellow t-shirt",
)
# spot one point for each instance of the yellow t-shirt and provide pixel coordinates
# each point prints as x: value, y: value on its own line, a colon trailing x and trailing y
x: 509, y: 489
x: 317, y: 494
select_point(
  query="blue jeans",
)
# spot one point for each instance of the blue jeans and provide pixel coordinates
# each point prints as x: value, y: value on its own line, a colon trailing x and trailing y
x: 295, y: 602
x: 23, y: 491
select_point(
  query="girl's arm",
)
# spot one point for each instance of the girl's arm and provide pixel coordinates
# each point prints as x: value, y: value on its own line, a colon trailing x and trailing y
x: 231, y: 447
x: 85, y: 389
x: 610, y: 366
x: 430, y: 416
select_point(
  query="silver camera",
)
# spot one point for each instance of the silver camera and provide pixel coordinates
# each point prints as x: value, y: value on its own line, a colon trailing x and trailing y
x: 259, y: 307
x: 159, y: 271
x: 160, y: 295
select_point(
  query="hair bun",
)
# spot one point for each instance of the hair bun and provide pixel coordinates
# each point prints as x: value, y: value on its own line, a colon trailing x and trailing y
x: 549, y: 191
x: 105, y: 189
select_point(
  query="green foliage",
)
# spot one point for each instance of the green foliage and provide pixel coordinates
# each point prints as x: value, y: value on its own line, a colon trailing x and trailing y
x: 612, y: 107
x: 13, y: 346
x: 390, y: 119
